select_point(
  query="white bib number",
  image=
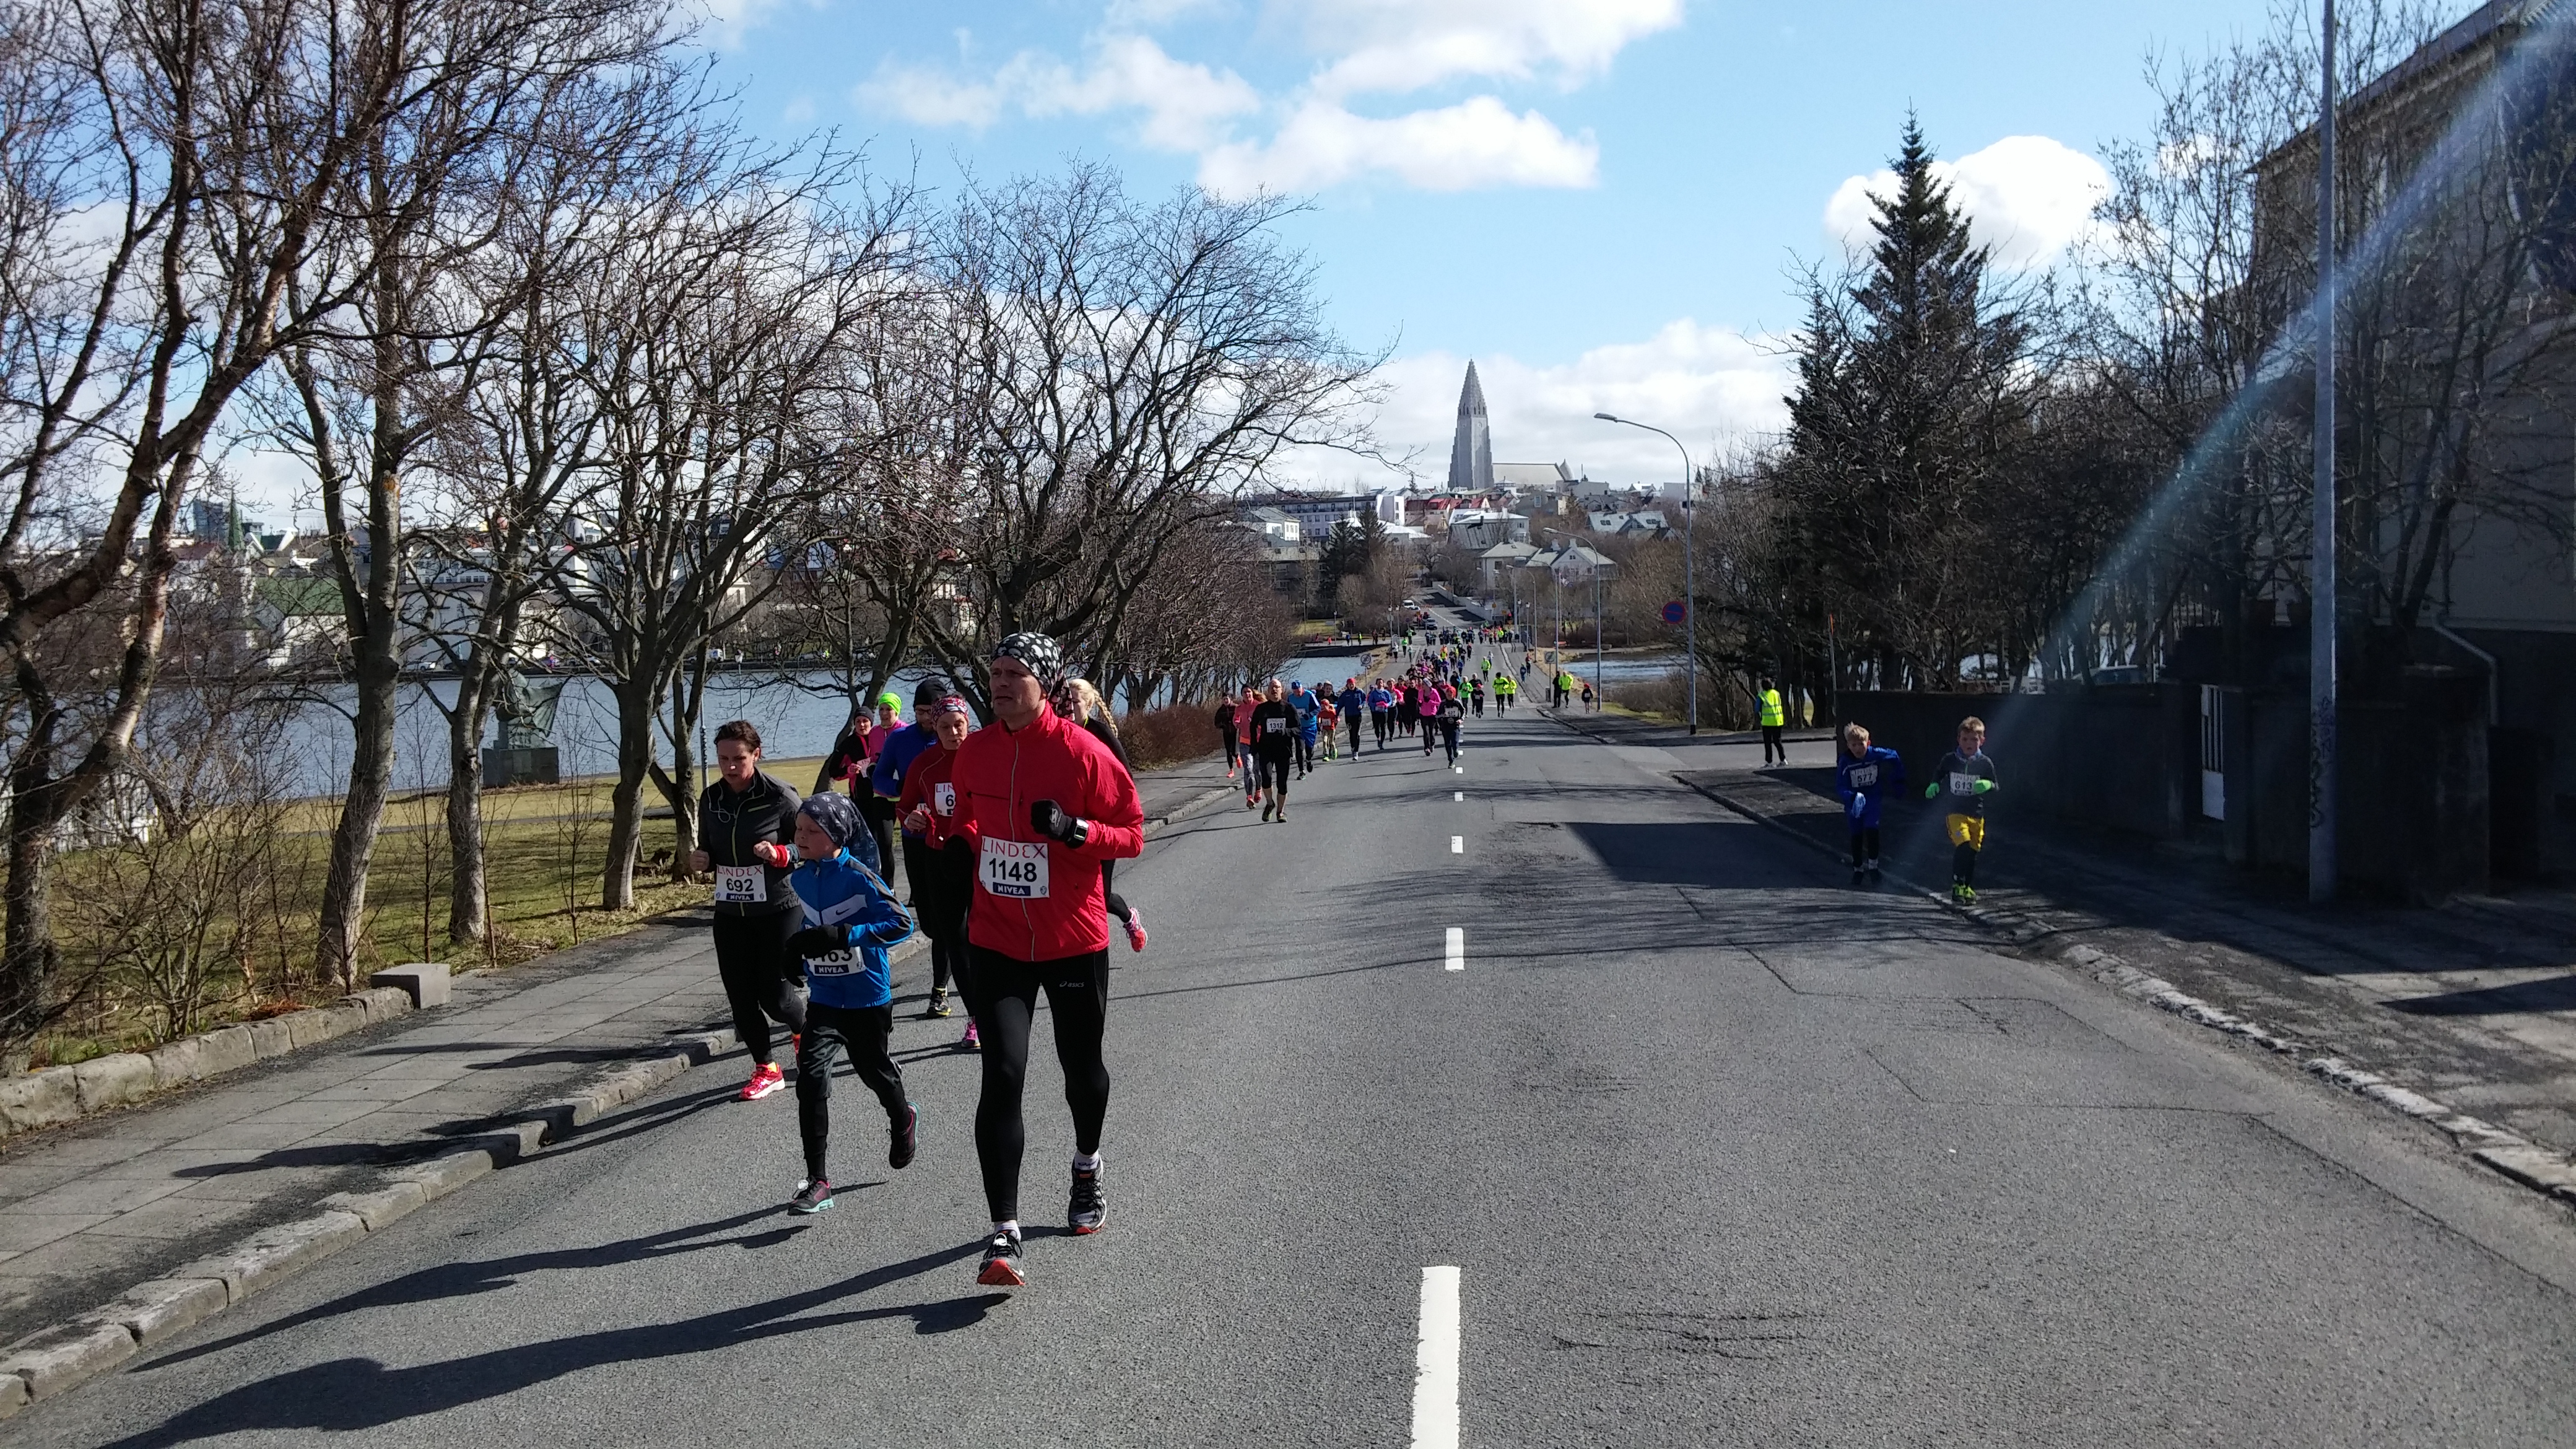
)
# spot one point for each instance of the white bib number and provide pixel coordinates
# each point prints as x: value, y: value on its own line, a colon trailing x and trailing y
x: 742, y: 885
x: 1962, y: 784
x: 943, y: 798
x: 833, y: 963
x: 1864, y: 777
x: 1276, y: 725
x: 1015, y: 868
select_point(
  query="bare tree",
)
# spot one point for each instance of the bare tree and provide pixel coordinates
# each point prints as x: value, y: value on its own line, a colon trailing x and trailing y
x: 724, y: 338
x: 1124, y: 370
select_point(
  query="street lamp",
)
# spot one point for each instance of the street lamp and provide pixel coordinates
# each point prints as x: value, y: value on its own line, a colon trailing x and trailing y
x: 1690, y: 586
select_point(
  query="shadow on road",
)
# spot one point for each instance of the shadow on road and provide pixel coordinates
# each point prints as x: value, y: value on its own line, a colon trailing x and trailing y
x: 359, y: 1393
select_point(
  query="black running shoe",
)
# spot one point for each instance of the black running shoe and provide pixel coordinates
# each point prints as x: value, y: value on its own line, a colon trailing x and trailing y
x: 938, y: 1006
x: 812, y: 1198
x: 1086, y: 1212
x: 899, y: 1137
x: 1002, y: 1263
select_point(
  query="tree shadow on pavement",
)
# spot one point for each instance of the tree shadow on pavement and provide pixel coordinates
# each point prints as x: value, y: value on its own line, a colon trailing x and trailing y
x: 360, y: 1393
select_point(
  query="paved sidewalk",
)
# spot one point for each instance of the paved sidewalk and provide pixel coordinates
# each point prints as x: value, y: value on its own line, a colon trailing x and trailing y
x: 2474, y: 1003
x: 90, y: 1209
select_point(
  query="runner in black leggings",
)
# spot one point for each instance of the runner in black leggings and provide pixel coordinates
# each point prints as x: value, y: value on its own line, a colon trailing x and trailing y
x: 1274, y: 736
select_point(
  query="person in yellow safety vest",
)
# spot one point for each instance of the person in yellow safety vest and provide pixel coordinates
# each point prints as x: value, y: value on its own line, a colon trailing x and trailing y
x: 1774, y: 719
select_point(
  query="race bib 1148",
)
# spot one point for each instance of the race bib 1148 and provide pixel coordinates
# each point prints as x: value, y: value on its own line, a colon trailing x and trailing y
x: 1014, y: 868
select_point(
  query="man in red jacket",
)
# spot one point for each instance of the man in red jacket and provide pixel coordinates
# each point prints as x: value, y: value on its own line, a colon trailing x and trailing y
x: 1043, y: 803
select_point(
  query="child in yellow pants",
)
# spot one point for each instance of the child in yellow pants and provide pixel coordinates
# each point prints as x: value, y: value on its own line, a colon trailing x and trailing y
x: 1966, y: 776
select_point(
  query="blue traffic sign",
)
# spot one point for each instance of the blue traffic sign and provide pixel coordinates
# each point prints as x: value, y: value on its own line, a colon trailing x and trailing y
x: 1673, y: 612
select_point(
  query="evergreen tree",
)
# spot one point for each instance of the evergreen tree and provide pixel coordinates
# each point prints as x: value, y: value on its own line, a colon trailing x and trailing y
x: 1911, y: 411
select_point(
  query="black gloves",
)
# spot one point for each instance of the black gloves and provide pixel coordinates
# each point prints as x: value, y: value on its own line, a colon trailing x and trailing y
x: 818, y: 941
x: 1048, y: 820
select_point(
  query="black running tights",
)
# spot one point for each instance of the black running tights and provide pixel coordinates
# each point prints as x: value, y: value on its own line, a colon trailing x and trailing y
x: 1274, y: 771
x: 1003, y: 994
x: 1864, y: 845
x: 760, y: 978
x: 861, y: 1031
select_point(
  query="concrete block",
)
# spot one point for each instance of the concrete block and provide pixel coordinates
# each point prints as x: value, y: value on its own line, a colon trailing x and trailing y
x: 425, y: 982
x: 444, y: 1174
x: 51, y: 1360
x: 13, y: 1395
x: 272, y: 1255
x: 379, y: 1209
x: 39, y: 1099
x: 318, y: 1024
x: 153, y: 1311
x: 271, y: 1038
x: 113, y: 1080
x: 177, y: 1063
x: 228, y: 1050
x: 381, y: 1003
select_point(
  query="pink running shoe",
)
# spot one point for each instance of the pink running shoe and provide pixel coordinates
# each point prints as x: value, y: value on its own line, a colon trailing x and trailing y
x: 1135, y: 930
x: 765, y: 1079
x: 970, y: 1042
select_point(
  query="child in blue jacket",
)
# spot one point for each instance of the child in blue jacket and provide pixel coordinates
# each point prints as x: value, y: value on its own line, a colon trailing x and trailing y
x: 850, y: 919
x: 1864, y: 778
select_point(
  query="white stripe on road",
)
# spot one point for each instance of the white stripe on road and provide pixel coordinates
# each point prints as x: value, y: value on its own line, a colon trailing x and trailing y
x: 1457, y: 845
x: 1457, y: 951
x: 1435, y: 1362
x: 1457, y: 794
x: 1461, y: 769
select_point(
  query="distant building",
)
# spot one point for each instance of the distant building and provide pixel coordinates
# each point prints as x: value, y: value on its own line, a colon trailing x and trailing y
x: 1481, y: 528
x: 1471, y: 451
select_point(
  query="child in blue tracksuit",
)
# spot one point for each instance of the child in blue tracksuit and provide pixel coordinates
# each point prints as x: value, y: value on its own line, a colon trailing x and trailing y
x: 850, y: 918
x: 1864, y: 778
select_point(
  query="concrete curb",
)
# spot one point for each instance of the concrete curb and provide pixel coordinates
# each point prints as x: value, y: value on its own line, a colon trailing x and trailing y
x: 2542, y: 1169
x: 51, y: 1360
x: 58, y: 1095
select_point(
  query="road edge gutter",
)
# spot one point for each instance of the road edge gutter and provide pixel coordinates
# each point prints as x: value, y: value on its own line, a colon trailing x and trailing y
x: 2543, y: 1170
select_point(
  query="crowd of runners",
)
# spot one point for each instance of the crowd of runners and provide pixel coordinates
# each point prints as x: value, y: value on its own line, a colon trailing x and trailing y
x: 1282, y: 731
x: 1009, y: 836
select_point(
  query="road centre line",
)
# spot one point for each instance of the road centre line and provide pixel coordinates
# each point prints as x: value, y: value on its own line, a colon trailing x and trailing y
x: 1435, y: 1361
x: 1457, y: 845
x: 1456, y: 949
x: 1457, y: 794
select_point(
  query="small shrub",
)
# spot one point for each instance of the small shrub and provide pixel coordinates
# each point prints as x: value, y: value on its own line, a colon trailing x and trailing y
x: 1171, y: 735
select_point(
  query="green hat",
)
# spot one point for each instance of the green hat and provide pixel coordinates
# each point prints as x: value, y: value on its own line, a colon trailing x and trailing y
x: 890, y: 700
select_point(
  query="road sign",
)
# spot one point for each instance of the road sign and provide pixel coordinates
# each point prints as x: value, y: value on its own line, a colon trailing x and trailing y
x: 1673, y: 612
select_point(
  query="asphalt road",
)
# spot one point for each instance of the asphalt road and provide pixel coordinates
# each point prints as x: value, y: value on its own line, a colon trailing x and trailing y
x: 1723, y: 1152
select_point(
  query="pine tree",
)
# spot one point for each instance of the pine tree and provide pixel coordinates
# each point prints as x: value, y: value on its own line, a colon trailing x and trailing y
x: 1910, y: 410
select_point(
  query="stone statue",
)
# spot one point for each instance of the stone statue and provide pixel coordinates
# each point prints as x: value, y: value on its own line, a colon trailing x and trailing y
x: 527, y: 711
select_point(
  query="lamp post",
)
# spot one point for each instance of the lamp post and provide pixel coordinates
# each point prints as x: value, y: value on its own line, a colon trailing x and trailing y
x: 2321, y: 548
x: 1690, y: 585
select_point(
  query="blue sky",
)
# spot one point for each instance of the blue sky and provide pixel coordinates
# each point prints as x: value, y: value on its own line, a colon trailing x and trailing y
x: 1600, y: 201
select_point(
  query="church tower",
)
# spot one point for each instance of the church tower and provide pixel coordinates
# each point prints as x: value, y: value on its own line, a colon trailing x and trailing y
x: 1471, y: 453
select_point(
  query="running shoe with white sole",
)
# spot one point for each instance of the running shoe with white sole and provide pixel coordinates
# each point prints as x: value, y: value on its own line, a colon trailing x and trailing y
x: 811, y: 1198
x: 1135, y: 930
x: 765, y: 1079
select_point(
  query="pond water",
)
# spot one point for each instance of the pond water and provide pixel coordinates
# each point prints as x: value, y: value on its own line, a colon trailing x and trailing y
x: 798, y: 719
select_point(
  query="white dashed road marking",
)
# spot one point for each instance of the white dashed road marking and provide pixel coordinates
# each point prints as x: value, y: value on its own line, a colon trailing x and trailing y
x: 1457, y: 845
x: 1435, y: 1362
x: 1457, y: 949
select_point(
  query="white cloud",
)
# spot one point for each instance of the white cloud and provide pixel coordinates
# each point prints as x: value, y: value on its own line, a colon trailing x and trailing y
x: 1365, y: 47
x: 1395, y: 46
x: 1712, y: 387
x: 2027, y: 197
x: 728, y: 21
x: 1476, y: 143
x: 1185, y: 106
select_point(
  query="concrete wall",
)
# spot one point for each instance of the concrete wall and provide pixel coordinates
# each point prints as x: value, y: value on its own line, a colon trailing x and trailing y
x: 2414, y: 818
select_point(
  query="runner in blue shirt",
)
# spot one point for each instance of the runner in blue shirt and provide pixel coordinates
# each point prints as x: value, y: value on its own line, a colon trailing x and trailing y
x: 1864, y: 778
